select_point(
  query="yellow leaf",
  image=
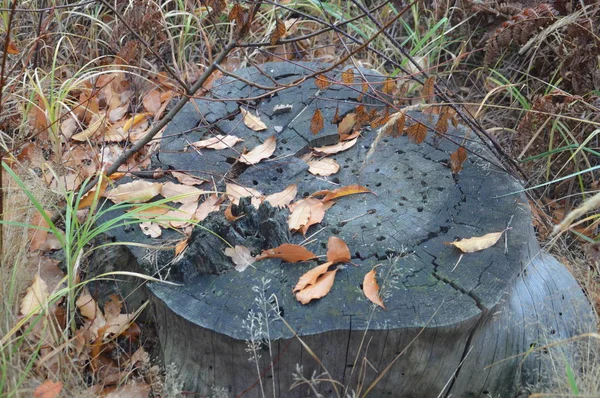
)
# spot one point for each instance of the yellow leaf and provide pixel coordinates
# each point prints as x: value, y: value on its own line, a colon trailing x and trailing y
x: 134, y: 121
x: 260, y: 152
x: 476, y: 244
x: 251, y: 121
x: 284, y: 197
x: 324, y: 167
x: 319, y: 289
x: 345, y: 191
x: 36, y: 297
x: 371, y: 288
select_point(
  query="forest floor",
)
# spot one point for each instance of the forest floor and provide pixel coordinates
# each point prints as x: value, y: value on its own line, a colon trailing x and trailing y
x: 88, y: 87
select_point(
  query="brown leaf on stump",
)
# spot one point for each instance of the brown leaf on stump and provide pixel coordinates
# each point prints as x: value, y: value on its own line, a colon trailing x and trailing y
x: 322, y: 82
x: 457, y: 159
x: 417, y: 132
x: 317, y: 122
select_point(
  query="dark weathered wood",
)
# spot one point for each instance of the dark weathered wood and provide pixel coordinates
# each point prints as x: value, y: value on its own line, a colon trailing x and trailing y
x: 494, y: 305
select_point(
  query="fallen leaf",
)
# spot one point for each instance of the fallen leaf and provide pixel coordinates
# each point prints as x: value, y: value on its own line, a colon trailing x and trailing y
x: 117, y: 113
x: 149, y: 212
x: 12, y: 48
x: 152, y: 102
x: 241, y: 257
x: 310, y: 277
x: 389, y: 86
x: 319, y: 289
x: 457, y: 159
x: 133, y: 389
x: 371, y: 288
x: 209, y: 205
x: 236, y: 192
x: 399, y: 125
x: 345, y: 191
x: 38, y: 237
x: 138, y: 191
x: 217, y: 142
x: 48, y: 389
x: 36, y: 297
x: 228, y: 213
x: 183, y: 215
x: 347, y: 124
x: 96, y: 126
x: 283, y: 198
x: 251, y: 121
x: 317, y: 122
x: 324, y: 167
x: 317, y: 213
x: 476, y: 244
x: 299, y: 215
x: 428, y: 88
x: 337, y: 250
x: 181, y: 246
x: 88, y: 307
x: 180, y: 193
x: 288, y: 252
x: 322, y: 82
x: 133, y: 121
x: 332, y: 149
x: 186, y: 178
x: 278, y: 32
x: 260, y: 152
x: 151, y: 229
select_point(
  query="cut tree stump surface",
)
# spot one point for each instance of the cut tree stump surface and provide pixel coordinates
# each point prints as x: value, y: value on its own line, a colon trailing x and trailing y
x: 416, y: 206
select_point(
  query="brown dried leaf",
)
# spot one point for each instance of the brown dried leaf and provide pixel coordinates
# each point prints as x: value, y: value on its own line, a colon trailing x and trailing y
x: 181, y: 246
x: 476, y: 244
x: 36, y: 298
x: 284, y: 197
x: 235, y: 12
x: 332, y: 149
x: 389, y: 86
x: 241, y: 257
x: 236, y: 192
x: 322, y: 82
x: 442, y: 124
x: 317, y: 213
x: 337, y: 250
x: 48, y: 389
x: 217, y: 142
x: 252, y: 121
x: 457, y: 159
x: 347, y: 124
x: 173, y: 191
x: 345, y: 191
x: 300, y: 215
x: 320, y: 289
x: 152, y: 102
x: 324, y: 167
x: 183, y: 215
x: 278, y: 32
x: 260, y: 152
x: 98, y: 125
x: 417, y: 132
x: 371, y: 288
x: 317, y: 122
x: 428, y: 91
x: 210, y: 204
x: 138, y: 191
x: 289, y: 253
x: 187, y: 179
x: 134, y: 121
x: 348, y: 76
x: 310, y: 277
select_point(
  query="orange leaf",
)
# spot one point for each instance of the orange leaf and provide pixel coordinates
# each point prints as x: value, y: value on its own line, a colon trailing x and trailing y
x: 457, y: 159
x: 337, y: 250
x: 310, y: 277
x: 347, y: 124
x: 180, y: 246
x: 371, y: 288
x: 12, y: 49
x: 322, y: 82
x: 317, y: 122
x: 345, y: 191
x: 260, y: 152
x: 319, y: 289
x: 289, y: 253
x: 348, y: 76
x: 278, y: 32
x: 442, y: 124
x: 48, y: 389
x: 235, y: 12
x: 417, y: 133
x: 389, y: 86
x: 428, y: 88
x: 317, y: 213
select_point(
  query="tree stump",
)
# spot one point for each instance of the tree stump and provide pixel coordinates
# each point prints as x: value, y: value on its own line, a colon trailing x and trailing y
x: 447, y: 330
